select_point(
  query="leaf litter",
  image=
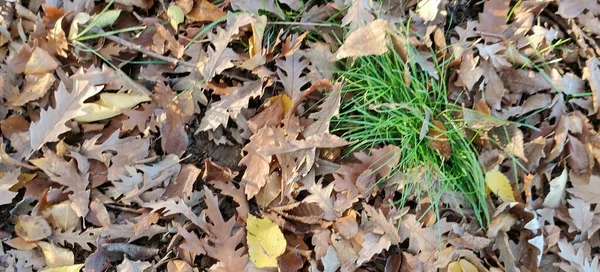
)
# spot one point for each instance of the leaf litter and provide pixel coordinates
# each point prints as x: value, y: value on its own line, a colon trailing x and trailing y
x: 195, y: 135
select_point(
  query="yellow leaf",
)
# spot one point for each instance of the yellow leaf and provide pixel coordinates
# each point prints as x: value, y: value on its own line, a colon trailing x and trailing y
x: 69, y: 268
x: 286, y: 100
x: 265, y: 242
x: 499, y: 184
x: 109, y: 105
x: 461, y: 265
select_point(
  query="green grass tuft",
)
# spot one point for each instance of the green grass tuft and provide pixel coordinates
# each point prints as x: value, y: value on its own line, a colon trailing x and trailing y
x: 380, y: 108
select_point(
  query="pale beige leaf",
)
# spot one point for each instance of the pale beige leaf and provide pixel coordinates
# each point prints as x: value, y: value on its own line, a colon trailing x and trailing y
x: 179, y: 266
x: 373, y: 244
x: 359, y: 13
x: 364, y: 41
x: 571, y: 8
x: 230, y: 105
x: 68, y: 106
x: 69, y: 268
x: 253, y: 6
x: 133, y: 266
x: 7, y: 180
x: 557, y: 190
x: 32, y: 228
x: 588, y: 192
x: 40, y: 62
x: 72, y: 237
x: 35, y: 86
x: 110, y: 105
x: 56, y: 256
x: 63, y: 216
x: 581, y: 214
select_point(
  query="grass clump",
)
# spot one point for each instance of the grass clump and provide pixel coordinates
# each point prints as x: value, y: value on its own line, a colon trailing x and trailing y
x: 390, y: 101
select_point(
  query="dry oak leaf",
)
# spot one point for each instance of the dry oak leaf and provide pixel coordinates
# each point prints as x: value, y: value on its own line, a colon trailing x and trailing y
x: 364, y: 41
x: 68, y: 106
x: 67, y: 174
x: 34, y: 88
x: 265, y: 242
x: 589, y: 192
x: 133, y: 266
x: 224, y: 239
x: 83, y: 239
x: 8, y: 180
x: 290, y: 74
x: 230, y: 106
x: 68, y: 268
x: 258, y: 164
x: 32, y: 228
x: 220, y: 56
x: 359, y: 13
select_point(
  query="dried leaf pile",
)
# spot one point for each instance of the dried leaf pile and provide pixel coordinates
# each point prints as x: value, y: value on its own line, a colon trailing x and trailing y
x: 102, y: 106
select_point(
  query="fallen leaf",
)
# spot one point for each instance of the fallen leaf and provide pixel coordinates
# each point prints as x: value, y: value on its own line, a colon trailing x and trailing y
x: 265, y: 242
x: 499, y: 185
x: 63, y: 216
x: 133, y: 266
x: 32, y: 228
x: 205, y: 11
x: 179, y: 266
x: 69, y: 268
x: 462, y: 265
x: 557, y: 190
x: 56, y: 256
x: 8, y: 180
x: 359, y: 14
x: 364, y: 41
x: 68, y: 106
x: 581, y: 214
x: 588, y: 192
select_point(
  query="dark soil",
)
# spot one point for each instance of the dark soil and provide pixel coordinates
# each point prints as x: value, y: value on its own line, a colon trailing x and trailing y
x: 201, y: 147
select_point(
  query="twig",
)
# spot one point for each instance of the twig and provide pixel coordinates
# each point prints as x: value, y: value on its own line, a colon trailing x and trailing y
x: 141, y: 49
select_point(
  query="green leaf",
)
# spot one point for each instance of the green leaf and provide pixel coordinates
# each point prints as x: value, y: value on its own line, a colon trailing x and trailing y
x: 176, y: 15
x: 106, y: 18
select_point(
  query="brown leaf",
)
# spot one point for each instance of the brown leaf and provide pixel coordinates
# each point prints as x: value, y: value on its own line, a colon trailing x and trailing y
x: 35, y: 87
x: 184, y: 185
x: 327, y: 110
x: 67, y: 174
x: 258, y: 164
x: 578, y: 159
x: 525, y: 81
x: 270, y: 116
x: 291, y: 261
x: 439, y: 140
x: 493, y: 18
x: 364, y: 41
x: 205, y: 11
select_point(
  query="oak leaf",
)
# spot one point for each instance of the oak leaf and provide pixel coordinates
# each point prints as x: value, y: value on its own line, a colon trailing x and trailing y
x: 230, y: 106
x: 359, y: 14
x: 68, y: 106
